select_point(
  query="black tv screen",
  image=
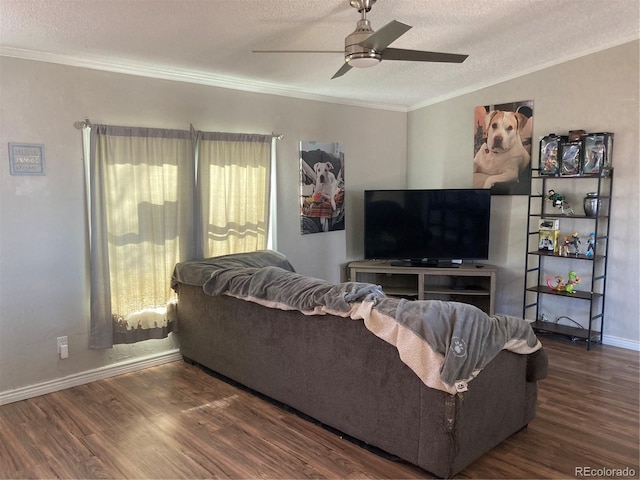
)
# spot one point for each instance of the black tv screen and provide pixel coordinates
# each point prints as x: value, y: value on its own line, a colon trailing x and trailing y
x: 427, y: 226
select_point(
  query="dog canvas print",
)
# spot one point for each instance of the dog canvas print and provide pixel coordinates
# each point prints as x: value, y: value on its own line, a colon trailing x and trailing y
x: 502, y: 148
x: 321, y: 187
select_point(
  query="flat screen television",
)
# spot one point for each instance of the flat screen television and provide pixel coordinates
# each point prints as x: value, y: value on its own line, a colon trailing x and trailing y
x: 427, y: 227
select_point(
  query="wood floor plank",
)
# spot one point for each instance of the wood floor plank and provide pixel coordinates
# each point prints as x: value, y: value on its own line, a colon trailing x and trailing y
x: 176, y: 421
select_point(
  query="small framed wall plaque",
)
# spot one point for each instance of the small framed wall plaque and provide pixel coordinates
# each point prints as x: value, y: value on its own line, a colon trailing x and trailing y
x: 26, y: 158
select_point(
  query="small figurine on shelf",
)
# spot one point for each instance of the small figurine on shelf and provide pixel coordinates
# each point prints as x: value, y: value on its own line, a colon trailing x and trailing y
x: 558, y: 201
x: 575, y: 243
x: 557, y: 283
x: 564, y: 250
x: 574, y: 280
x: 556, y: 198
x: 591, y: 245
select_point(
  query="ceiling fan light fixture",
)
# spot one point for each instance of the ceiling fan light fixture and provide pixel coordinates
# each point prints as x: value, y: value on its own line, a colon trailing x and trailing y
x: 363, y: 59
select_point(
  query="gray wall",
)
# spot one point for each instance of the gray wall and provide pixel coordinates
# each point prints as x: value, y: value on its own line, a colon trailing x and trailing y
x: 43, y: 248
x: 596, y: 93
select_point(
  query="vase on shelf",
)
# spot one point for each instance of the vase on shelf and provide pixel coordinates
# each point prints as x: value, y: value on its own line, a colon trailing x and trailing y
x: 591, y: 203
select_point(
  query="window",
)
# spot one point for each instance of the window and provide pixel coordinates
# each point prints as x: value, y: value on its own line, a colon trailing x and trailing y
x: 150, y: 210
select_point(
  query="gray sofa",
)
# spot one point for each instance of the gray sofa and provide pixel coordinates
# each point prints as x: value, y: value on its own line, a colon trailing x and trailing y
x: 336, y: 371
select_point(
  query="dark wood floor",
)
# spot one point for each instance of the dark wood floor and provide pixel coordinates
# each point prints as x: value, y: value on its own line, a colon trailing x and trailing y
x: 175, y: 421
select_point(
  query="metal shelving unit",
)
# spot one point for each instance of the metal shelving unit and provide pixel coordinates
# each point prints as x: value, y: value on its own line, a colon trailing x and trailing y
x: 538, y: 264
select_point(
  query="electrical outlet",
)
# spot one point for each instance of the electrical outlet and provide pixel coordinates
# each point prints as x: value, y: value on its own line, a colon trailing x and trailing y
x: 63, y: 347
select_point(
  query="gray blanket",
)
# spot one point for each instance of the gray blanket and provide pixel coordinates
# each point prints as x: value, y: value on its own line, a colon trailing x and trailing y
x: 285, y: 288
x: 460, y: 337
x: 197, y: 272
x: 466, y: 336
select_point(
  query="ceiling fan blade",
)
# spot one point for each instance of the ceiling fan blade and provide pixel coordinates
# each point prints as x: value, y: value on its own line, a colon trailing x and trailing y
x: 383, y: 37
x: 298, y: 51
x: 343, y: 69
x: 422, y: 56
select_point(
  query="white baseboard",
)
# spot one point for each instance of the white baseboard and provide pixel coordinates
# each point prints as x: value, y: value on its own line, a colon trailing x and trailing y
x: 620, y: 342
x: 81, y: 378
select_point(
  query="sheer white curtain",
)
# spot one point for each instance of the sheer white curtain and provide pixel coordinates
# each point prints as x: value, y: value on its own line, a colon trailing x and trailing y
x: 141, y: 184
x: 149, y: 210
x: 234, y: 172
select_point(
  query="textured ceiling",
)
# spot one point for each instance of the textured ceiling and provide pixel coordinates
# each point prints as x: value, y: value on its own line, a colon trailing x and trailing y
x: 211, y: 41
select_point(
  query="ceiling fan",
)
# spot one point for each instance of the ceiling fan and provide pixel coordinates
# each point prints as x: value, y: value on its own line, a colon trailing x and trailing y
x: 366, y: 47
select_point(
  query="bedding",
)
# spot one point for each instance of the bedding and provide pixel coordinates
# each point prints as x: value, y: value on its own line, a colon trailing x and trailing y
x: 446, y: 344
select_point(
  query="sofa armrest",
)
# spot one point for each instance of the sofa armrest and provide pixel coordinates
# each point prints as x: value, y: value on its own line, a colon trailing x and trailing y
x: 537, y: 365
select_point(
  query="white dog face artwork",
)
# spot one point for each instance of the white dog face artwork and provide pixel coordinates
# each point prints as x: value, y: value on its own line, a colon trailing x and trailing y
x: 503, y: 130
x: 323, y: 169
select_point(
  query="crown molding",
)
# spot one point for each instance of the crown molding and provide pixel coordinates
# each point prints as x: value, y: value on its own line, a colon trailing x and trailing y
x: 220, y: 81
x: 186, y: 76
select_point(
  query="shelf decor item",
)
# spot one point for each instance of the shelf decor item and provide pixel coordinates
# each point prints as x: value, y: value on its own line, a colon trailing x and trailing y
x: 598, y: 149
x: 571, y: 158
x: 591, y: 203
x: 574, y: 242
x: 549, y: 148
x: 591, y: 245
x: 558, y: 201
x: 558, y: 284
x: 549, y: 235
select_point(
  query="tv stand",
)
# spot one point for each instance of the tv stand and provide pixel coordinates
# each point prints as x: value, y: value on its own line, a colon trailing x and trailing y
x: 424, y: 263
x: 467, y: 283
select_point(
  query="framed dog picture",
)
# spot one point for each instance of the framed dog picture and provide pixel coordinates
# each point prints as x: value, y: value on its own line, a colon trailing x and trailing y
x: 502, y: 147
x: 321, y: 187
